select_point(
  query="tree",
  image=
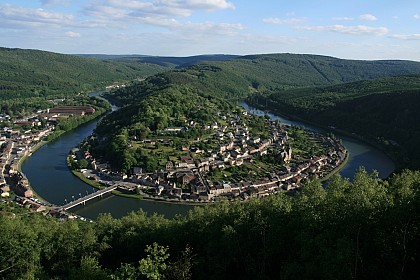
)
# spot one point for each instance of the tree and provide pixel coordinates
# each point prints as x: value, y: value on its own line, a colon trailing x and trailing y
x: 83, y: 163
x: 154, y: 264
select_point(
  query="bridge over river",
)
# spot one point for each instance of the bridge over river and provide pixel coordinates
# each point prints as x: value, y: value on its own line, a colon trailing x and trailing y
x: 91, y: 196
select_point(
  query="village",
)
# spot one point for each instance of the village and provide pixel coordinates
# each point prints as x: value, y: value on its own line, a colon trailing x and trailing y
x: 189, y: 177
x: 20, y: 142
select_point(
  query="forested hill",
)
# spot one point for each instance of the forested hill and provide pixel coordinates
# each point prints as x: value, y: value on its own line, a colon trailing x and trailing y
x: 31, y: 77
x: 279, y: 71
x: 383, y: 110
x: 25, y: 73
x: 278, y: 81
x: 166, y: 61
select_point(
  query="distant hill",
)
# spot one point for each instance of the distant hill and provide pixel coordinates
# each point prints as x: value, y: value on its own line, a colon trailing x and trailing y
x: 279, y: 71
x: 165, y: 61
x: 23, y: 71
x: 30, y: 77
x: 383, y: 110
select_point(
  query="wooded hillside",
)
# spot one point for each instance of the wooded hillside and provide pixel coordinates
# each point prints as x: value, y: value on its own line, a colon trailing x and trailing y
x: 30, y: 77
x: 365, y: 229
x: 383, y: 111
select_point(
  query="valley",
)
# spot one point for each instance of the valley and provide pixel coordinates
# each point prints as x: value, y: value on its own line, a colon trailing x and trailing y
x: 181, y: 136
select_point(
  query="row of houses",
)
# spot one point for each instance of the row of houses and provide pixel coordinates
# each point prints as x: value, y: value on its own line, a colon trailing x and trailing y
x: 186, y: 178
x: 17, y: 145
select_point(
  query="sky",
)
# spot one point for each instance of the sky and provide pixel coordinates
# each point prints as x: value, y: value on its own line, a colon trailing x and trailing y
x: 352, y: 29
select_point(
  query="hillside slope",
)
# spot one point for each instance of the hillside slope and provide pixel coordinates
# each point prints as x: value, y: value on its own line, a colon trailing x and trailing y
x: 383, y: 110
x: 26, y: 71
x: 280, y: 71
x: 165, y: 61
x: 31, y: 77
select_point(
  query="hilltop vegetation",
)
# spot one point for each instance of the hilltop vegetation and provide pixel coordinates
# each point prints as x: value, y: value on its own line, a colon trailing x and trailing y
x: 166, y: 61
x: 281, y: 71
x: 365, y: 229
x: 30, y: 77
x: 384, y: 111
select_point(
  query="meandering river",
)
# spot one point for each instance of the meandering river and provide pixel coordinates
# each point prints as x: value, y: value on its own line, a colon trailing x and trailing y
x: 51, y: 179
x: 360, y: 153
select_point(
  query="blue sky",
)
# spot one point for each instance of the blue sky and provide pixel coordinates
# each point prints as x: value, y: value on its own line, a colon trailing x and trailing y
x: 356, y: 29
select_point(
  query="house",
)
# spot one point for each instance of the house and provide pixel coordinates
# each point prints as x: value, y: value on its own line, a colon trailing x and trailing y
x: 176, y: 192
x: 173, y: 129
x: 203, y: 196
x: 169, y: 165
x: 199, y: 188
x: 185, y: 177
x: 126, y: 188
x: 24, y: 191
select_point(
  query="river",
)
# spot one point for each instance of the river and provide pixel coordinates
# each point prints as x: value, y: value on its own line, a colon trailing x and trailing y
x: 360, y: 153
x: 52, y: 180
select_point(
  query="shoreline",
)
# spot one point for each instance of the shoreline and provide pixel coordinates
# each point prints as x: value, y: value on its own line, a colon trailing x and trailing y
x: 96, y: 185
x: 36, y: 147
x: 328, y: 129
x: 338, y: 168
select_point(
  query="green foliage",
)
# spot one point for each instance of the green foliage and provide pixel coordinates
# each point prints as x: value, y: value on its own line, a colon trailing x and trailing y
x: 383, y: 111
x: 31, y: 77
x: 154, y: 264
x: 366, y: 228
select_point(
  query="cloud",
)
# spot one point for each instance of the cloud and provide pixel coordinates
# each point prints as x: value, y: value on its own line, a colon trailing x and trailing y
x: 416, y: 16
x: 54, y: 2
x: 283, y: 21
x: 11, y: 16
x: 161, y: 13
x: 140, y: 8
x: 406, y: 37
x: 351, y: 30
x: 343, y: 18
x: 207, y: 28
x: 368, y: 17
x: 72, y: 34
x: 209, y: 5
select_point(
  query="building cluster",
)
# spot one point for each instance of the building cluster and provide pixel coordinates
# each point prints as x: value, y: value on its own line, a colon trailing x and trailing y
x: 14, y: 145
x: 187, y: 178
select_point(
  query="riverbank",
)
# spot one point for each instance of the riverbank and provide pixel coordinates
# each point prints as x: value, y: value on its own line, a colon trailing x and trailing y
x: 335, y: 131
x: 337, y: 169
x: 99, y: 186
x: 48, y: 138
x: 22, y: 160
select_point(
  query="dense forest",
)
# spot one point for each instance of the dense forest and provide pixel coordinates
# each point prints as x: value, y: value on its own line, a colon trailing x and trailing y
x: 30, y: 77
x: 382, y: 111
x: 166, y: 61
x: 364, y: 229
